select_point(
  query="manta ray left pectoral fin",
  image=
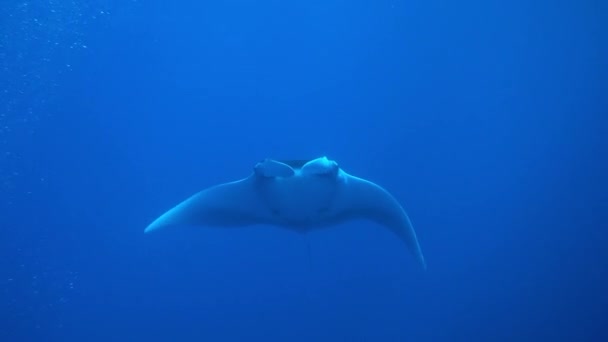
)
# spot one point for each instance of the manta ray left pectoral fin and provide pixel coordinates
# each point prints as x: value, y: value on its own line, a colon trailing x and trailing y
x: 367, y: 200
x: 182, y: 214
x: 226, y: 205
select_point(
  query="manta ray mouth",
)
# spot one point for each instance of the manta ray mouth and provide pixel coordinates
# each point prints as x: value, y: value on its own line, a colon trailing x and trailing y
x: 296, y: 163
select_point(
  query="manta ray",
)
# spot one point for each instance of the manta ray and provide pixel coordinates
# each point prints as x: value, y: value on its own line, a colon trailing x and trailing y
x: 301, y: 195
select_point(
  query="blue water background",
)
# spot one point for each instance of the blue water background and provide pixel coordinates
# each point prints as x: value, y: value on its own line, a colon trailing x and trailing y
x: 486, y: 119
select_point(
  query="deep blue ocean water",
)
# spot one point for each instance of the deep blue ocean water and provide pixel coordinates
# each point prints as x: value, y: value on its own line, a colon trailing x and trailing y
x: 487, y: 120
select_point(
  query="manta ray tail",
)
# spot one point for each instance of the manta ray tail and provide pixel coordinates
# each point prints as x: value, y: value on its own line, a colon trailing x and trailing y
x: 309, y: 252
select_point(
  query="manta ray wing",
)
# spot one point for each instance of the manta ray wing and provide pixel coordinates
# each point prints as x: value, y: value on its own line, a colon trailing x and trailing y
x: 359, y: 198
x: 231, y: 204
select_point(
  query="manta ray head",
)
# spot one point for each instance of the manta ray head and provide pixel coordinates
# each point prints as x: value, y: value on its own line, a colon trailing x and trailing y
x: 298, y: 193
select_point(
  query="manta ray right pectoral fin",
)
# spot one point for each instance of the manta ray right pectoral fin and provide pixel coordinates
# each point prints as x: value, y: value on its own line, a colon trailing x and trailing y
x: 370, y: 201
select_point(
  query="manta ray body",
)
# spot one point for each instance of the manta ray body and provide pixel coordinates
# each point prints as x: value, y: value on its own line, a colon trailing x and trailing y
x: 297, y: 195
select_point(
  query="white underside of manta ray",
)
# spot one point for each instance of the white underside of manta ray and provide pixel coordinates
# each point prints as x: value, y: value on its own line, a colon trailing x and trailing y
x: 297, y: 195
